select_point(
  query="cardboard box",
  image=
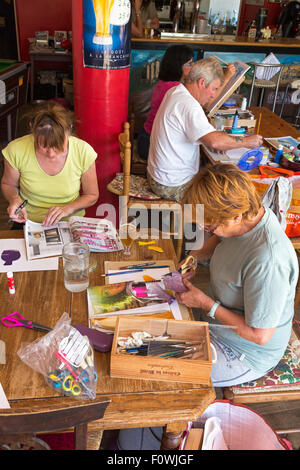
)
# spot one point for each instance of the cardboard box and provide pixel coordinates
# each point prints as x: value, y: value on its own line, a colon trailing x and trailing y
x: 128, y: 366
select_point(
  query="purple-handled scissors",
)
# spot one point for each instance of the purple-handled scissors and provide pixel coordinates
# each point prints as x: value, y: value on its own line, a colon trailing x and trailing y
x: 16, y: 319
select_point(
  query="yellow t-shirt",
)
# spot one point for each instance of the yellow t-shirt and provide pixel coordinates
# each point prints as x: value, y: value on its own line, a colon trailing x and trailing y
x: 44, y: 191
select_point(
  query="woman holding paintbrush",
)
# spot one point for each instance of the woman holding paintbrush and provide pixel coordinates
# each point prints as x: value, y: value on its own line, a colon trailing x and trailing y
x: 253, y: 276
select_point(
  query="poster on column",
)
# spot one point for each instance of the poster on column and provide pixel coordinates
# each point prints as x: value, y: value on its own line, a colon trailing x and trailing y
x: 106, y: 33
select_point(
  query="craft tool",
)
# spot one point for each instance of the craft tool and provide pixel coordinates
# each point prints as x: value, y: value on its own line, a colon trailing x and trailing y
x: 221, y: 60
x: 135, y: 266
x: 18, y: 209
x: 16, y: 319
x: 134, y: 270
x: 190, y: 263
x: 258, y: 125
x: 11, y: 283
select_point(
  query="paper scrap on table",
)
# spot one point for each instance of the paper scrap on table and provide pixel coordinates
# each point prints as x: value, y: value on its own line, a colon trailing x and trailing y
x: 3, y: 400
x: 22, y: 264
x: 136, y: 276
x: 235, y: 154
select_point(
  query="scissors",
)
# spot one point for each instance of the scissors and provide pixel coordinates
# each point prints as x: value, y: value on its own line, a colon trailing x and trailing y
x: 190, y: 263
x: 16, y: 319
x: 62, y: 379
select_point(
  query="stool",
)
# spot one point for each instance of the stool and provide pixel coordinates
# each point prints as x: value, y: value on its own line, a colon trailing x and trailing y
x: 262, y: 83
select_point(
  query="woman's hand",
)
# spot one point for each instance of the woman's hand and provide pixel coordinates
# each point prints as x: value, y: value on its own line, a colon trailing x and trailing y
x: 21, y: 217
x: 55, y: 214
x: 194, y: 297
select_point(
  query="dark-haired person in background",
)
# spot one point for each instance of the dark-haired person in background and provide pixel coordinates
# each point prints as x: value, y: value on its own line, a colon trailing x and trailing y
x: 174, y: 68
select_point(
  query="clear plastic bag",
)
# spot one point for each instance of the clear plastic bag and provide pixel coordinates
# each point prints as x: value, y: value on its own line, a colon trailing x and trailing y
x: 65, y: 358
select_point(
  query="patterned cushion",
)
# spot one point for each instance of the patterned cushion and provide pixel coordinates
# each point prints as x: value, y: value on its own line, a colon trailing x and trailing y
x: 284, y: 376
x: 139, y: 187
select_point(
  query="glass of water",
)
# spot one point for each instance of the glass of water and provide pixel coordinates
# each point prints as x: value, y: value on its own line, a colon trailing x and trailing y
x: 76, y: 266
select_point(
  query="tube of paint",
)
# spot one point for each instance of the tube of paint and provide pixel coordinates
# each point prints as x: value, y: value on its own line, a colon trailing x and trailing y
x: 11, y: 282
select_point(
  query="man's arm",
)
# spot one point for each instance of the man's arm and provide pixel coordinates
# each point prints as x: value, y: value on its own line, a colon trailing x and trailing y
x: 220, y: 141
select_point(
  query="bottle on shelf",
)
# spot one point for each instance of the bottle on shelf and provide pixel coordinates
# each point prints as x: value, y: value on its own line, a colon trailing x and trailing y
x: 252, y: 30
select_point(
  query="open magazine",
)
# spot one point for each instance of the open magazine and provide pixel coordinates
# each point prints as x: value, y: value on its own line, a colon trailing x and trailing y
x: 106, y: 303
x: 99, y: 234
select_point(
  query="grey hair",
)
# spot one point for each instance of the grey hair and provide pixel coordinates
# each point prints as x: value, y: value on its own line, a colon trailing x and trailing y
x: 209, y: 69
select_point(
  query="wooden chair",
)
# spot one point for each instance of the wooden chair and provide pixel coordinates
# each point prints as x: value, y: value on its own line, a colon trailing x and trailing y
x: 137, y: 193
x: 21, y: 425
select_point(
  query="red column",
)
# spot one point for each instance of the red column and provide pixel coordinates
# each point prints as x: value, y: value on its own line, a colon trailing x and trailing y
x: 101, y: 107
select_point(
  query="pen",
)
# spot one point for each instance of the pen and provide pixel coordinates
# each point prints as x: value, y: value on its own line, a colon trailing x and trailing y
x: 133, y: 271
x: 18, y: 209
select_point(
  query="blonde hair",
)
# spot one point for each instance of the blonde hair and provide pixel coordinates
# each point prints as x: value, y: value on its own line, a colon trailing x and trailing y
x: 225, y: 191
x: 208, y: 68
x: 50, y: 123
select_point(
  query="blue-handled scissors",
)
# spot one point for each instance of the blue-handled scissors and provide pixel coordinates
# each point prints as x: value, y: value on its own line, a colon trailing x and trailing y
x: 16, y: 319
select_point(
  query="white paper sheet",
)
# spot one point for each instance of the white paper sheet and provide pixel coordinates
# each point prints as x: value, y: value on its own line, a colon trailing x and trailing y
x: 3, y: 400
x: 136, y: 276
x: 22, y: 264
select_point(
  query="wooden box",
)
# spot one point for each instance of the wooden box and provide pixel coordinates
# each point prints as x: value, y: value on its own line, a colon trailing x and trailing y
x: 246, y: 118
x: 127, y: 366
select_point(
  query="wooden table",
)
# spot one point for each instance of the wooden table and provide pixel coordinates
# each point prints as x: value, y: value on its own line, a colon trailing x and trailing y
x: 41, y: 297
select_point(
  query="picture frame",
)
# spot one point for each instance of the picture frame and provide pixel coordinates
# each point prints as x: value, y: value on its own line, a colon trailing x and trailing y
x: 59, y: 37
x: 42, y: 38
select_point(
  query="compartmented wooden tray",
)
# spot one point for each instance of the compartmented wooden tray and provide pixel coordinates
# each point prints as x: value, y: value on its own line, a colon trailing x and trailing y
x: 198, y: 370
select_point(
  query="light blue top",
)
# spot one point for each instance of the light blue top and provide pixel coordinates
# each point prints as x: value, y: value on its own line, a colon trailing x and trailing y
x: 255, y: 275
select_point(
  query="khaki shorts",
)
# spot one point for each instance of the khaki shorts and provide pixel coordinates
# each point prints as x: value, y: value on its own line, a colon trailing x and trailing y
x: 172, y: 193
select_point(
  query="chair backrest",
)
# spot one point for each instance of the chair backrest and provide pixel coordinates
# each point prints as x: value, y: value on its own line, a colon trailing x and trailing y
x: 54, y: 418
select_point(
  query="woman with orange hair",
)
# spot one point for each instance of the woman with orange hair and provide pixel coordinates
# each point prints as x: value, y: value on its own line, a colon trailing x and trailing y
x: 253, y: 276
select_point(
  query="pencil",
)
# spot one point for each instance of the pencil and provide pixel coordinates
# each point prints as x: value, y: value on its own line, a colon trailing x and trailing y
x: 221, y: 60
x: 258, y: 125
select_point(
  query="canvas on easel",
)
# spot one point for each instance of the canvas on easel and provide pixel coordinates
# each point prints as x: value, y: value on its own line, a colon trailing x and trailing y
x: 230, y: 87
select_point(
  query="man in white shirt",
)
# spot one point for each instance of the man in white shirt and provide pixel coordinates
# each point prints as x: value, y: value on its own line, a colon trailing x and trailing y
x: 181, y: 125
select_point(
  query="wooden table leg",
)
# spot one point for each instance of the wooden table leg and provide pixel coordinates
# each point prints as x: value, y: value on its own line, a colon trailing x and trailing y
x: 171, y: 437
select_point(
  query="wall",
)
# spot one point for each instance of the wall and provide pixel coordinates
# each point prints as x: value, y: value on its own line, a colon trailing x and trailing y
x: 41, y: 15
x: 248, y: 13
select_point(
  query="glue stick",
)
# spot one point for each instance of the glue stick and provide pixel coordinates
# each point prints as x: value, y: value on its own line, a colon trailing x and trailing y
x: 11, y: 282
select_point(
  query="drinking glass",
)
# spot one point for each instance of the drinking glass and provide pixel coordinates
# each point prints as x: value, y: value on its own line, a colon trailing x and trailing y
x: 127, y: 235
x: 76, y: 266
x: 215, y: 30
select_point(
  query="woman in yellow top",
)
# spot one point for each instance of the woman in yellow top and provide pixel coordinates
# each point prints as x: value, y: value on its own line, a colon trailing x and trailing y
x: 49, y: 167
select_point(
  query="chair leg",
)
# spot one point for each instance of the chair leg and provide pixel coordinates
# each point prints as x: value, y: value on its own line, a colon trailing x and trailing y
x: 261, y: 98
x: 284, y: 98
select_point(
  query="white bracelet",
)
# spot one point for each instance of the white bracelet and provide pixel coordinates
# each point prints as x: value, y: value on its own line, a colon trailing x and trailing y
x: 211, y: 313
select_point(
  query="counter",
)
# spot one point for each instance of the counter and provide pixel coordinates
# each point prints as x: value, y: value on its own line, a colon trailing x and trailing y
x: 234, y: 44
